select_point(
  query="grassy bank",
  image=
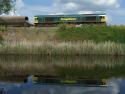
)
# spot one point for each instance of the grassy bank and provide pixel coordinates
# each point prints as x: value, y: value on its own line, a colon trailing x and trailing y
x: 62, y: 48
x: 92, y: 32
x: 65, y: 33
x: 65, y: 40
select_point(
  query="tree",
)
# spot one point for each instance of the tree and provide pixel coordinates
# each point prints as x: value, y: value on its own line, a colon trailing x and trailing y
x: 6, y: 6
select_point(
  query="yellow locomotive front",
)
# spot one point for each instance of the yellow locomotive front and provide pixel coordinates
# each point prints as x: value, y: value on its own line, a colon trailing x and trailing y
x: 35, y: 19
x: 103, y: 19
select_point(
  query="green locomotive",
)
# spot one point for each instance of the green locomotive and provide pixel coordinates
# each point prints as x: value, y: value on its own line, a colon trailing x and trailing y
x: 74, y: 19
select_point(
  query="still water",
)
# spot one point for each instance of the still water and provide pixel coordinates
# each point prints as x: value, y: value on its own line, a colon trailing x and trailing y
x: 113, y: 86
x: 69, y: 75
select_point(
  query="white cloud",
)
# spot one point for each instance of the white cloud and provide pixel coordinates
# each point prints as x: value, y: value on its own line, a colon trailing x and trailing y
x: 85, y: 12
x: 69, y: 6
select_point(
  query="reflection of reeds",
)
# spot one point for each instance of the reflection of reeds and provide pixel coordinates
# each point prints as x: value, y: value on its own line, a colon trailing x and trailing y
x: 62, y: 48
x: 75, y: 67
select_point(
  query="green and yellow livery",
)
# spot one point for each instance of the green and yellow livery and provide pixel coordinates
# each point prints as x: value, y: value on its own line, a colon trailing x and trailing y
x: 76, y: 19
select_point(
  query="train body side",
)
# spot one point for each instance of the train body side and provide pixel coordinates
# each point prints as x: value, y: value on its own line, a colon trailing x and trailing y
x: 16, y: 21
x: 44, y: 20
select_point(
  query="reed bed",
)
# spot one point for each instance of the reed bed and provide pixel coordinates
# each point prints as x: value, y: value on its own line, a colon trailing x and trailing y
x: 63, y: 48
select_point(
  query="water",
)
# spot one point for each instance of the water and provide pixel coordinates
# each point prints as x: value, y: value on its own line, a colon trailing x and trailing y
x: 62, y: 75
x: 114, y: 86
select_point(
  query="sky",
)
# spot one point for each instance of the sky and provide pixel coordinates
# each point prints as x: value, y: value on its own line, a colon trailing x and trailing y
x: 114, y: 9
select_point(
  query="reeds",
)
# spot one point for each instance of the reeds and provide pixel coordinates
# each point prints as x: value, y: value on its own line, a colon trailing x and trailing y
x: 63, y: 48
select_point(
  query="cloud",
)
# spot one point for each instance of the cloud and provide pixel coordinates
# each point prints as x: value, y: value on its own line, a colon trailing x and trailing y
x: 71, y: 6
x: 30, y: 10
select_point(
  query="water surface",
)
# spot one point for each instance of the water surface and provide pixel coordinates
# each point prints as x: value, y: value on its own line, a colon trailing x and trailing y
x: 114, y: 86
x: 16, y: 74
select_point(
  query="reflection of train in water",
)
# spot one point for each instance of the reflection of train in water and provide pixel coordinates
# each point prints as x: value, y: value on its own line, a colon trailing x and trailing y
x: 54, y: 20
x: 57, y: 80
x: 54, y: 80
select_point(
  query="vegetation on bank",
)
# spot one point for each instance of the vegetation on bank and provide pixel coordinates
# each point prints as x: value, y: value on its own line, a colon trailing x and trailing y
x: 92, y: 32
x: 65, y: 33
x: 65, y: 40
x: 62, y: 48
x: 6, y: 6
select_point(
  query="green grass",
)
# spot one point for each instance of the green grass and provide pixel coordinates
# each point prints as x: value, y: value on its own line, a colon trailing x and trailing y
x: 65, y: 33
x: 92, y: 32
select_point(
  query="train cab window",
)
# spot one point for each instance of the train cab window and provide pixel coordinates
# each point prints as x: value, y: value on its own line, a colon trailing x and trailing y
x: 36, y: 19
x: 102, y: 17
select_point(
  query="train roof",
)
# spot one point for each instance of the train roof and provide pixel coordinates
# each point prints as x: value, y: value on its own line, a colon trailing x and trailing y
x: 103, y: 14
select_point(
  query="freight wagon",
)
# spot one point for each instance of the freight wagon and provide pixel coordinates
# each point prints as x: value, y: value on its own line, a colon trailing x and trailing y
x: 75, y: 19
x: 15, y: 21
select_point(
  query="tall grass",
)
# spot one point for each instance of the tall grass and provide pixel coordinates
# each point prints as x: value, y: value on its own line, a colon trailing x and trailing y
x: 63, y: 48
x: 84, y: 40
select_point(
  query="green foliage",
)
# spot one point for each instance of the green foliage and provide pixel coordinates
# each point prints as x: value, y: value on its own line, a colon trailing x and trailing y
x: 62, y: 27
x: 1, y: 38
x: 3, y: 28
x: 93, y: 32
x: 6, y: 6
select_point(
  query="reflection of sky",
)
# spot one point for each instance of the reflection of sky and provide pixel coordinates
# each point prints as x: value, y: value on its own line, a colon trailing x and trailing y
x: 114, y: 87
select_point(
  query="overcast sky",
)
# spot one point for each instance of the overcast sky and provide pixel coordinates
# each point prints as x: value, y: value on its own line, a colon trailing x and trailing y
x: 114, y: 9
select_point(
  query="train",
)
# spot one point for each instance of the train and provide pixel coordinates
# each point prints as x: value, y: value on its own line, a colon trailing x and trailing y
x: 74, y: 19
x: 15, y: 21
x: 53, y: 20
x: 52, y: 80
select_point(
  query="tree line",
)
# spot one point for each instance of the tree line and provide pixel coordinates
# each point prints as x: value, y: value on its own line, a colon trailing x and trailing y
x: 6, y: 6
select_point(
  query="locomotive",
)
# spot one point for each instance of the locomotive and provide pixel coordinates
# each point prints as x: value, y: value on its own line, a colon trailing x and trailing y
x: 53, y: 20
x: 74, y: 19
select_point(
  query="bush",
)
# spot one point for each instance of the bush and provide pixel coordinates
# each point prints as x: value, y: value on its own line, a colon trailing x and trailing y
x: 93, y: 32
x: 3, y: 28
x: 62, y: 27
